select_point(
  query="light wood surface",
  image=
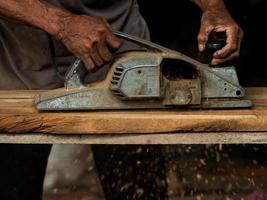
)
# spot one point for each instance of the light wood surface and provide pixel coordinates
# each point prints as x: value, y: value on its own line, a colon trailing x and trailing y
x: 170, y: 138
x: 18, y: 115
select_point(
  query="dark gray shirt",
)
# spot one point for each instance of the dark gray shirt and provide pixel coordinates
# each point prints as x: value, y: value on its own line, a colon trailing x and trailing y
x: 26, y: 53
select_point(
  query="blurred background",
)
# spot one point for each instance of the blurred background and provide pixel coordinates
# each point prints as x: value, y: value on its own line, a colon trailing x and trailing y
x: 194, y: 171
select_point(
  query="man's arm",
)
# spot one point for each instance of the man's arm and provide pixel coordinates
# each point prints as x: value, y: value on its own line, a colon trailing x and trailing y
x: 86, y: 37
x: 216, y: 18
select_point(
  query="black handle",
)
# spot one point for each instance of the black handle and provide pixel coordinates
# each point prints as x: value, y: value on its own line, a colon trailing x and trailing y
x: 216, y: 41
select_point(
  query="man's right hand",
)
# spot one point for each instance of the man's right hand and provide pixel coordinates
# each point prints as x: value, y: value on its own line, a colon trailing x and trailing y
x: 88, y: 38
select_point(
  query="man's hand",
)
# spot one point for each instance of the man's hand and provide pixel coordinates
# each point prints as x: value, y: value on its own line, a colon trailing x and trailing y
x: 88, y: 38
x: 216, y: 18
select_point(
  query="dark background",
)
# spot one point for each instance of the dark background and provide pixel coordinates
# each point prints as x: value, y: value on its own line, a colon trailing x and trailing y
x: 175, y: 24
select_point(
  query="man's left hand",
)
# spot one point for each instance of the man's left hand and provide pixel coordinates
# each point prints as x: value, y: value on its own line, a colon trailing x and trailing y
x: 219, y: 20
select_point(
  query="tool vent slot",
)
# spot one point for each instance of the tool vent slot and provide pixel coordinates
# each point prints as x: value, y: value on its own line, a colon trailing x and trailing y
x: 119, y: 69
x: 118, y: 93
x: 115, y: 80
x: 117, y: 75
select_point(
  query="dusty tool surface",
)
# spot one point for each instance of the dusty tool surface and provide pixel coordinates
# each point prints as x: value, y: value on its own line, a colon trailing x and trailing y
x: 155, y: 78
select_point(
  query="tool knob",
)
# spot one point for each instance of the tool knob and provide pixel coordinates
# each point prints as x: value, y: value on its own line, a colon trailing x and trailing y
x: 216, y: 41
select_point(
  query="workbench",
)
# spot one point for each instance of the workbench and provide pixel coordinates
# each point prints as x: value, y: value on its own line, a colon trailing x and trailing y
x: 20, y: 122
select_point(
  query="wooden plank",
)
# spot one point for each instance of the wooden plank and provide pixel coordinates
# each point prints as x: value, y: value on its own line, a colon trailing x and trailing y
x: 181, y: 138
x: 18, y: 94
x: 137, y: 122
x: 18, y: 115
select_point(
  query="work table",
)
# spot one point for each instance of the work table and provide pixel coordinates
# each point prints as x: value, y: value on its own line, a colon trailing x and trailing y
x: 20, y: 122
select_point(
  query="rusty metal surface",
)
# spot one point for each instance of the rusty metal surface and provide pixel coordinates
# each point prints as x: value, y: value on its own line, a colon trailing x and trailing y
x: 139, y: 81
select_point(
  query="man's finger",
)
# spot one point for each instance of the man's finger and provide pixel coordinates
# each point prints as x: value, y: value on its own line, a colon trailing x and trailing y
x: 217, y: 61
x: 112, y: 41
x: 232, y: 44
x: 95, y: 56
x: 103, y: 51
x: 89, y: 64
x: 203, y: 36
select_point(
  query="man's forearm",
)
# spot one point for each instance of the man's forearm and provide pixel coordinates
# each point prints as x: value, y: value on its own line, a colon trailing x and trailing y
x: 208, y: 4
x: 37, y: 13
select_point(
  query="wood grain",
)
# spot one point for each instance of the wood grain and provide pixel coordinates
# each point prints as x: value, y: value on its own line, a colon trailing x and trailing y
x: 18, y: 115
x: 170, y: 138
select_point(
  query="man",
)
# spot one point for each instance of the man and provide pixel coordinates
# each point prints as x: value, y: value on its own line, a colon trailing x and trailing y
x: 28, y: 54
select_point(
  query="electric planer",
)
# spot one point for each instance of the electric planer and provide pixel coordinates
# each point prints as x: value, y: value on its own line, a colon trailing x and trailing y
x: 154, y: 77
